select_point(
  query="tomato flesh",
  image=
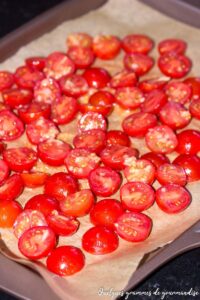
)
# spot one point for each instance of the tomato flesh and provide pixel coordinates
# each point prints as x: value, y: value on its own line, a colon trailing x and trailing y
x: 9, y: 211
x: 117, y: 137
x: 93, y: 140
x: 123, y: 79
x: 191, y: 164
x: 46, y: 91
x: 33, y: 111
x: 80, y: 39
x: 175, y: 46
x: 92, y: 120
x: 73, y: 85
x: 4, y: 170
x: 188, y: 142
x: 138, y: 63
x: 149, y: 85
x: 6, y: 80
x: 11, y: 188
x: 27, y: 78
x: 16, y: 97
x: 171, y: 173
x: 174, y: 65
x: 195, y: 108
x: 11, y: 127
x: 43, y: 203
x: 106, y: 46
x: 36, y: 63
x: 96, y: 77
x: 129, y: 97
x: 82, y: 57
x: 34, y: 180
x: 157, y: 159
x: 178, y: 92
x: 137, y: 43
x: 154, y: 101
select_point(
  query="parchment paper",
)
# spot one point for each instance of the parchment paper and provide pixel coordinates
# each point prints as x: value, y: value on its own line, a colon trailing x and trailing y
x: 118, y: 17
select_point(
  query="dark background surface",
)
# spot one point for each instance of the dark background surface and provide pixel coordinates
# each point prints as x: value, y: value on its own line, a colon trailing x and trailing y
x: 181, y: 274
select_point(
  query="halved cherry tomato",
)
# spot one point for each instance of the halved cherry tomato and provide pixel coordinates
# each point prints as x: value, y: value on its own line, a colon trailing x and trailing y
x: 140, y: 170
x: 102, y: 98
x: 80, y: 39
x: 73, y: 85
x: 188, y: 142
x: 33, y: 180
x: 4, y: 170
x: 34, y: 111
x: 53, y: 152
x: 82, y: 57
x: 175, y: 46
x: 172, y: 198
x: 27, y: 219
x: 61, y: 224
x: 80, y: 162
x: 171, y: 173
x: 137, y: 196
x: 191, y: 164
x: 9, y: 210
x: 92, y: 120
x: 161, y: 139
x: 157, y: 83
x: 11, y: 127
x: 117, y: 156
x: 138, y: 124
x: 16, y: 97
x: 106, y: 46
x: 96, y: 77
x: 37, y: 242
x: 178, y: 92
x: 117, y: 137
x: 123, y: 79
x: 100, y: 240
x: 41, y: 130
x: 57, y: 65
x: 174, y: 65
x: 36, y: 63
x: 27, y: 78
x: 156, y: 158
x: 93, y: 140
x: 59, y: 185
x: 106, y: 213
x: 104, y: 181
x: 175, y: 115
x: 129, y: 97
x: 133, y: 226
x: 154, y: 101
x: 137, y: 43
x: 195, y: 108
x: 64, y: 110
x: 11, y: 188
x: 77, y: 204
x: 194, y: 83
x: 138, y: 63
x: 43, y: 203
x: 100, y: 109
x: 20, y: 159
x: 46, y: 91
x: 65, y: 260
x: 6, y: 80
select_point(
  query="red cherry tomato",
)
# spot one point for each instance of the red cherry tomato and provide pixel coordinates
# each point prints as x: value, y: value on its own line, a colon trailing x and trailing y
x: 93, y: 140
x: 102, y: 98
x: 2, y: 147
x: 73, y: 85
x: 133, y: 226
x: 40, y: 130
x: 96, y: 77
x: 6, y: 80
x: 154, y: 101
x: 104, y: 110
x: 104, y: 181
x: 4, y: 170
x: 9, y: 210
x: 80, y: 39
x: 106, y: 46
x: 28, y: 219
x: 106, y: 213
x: 175, y: 46
x: 16, y: 97
x: 33, y: 180
x: 59, y: 185
x: 61, y: 224
x: 100, y: 240
x: 46, y: 91
x: 178, y: 92
x: 137, y: 196
x: 77, y: 204
x: 171, y: 173
x: 123, y: 79
x: 138, y: 63
x: 117, y: 137
x: 26, y: 78
x: 53, y: 152
x: 117, y: 156
x: 34, y: 111
x: 191, y: 164
x: 161, y: 139
x: 137, y: 43
x: 172, y: 198
x: 64, y: 110
x: 195, y: 108
x: 11, y: 188
x: 65, y: 260
x: 175, y: 115
x: 37, y: 242
x: 92, y: 120
x: 156, y: 158
x: 137, y: 124
x: 129, y: 97
x: 43, y: 203
x: 36, y: 63
x: 149, y: 85
x: 57, y: 65
x: 11, y: 127
x: 174, y: 65
x: 80, y: 162
x: 194, y: 83
x: 82, y: 57
x: 188, y: 142
x: 140, y: 170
